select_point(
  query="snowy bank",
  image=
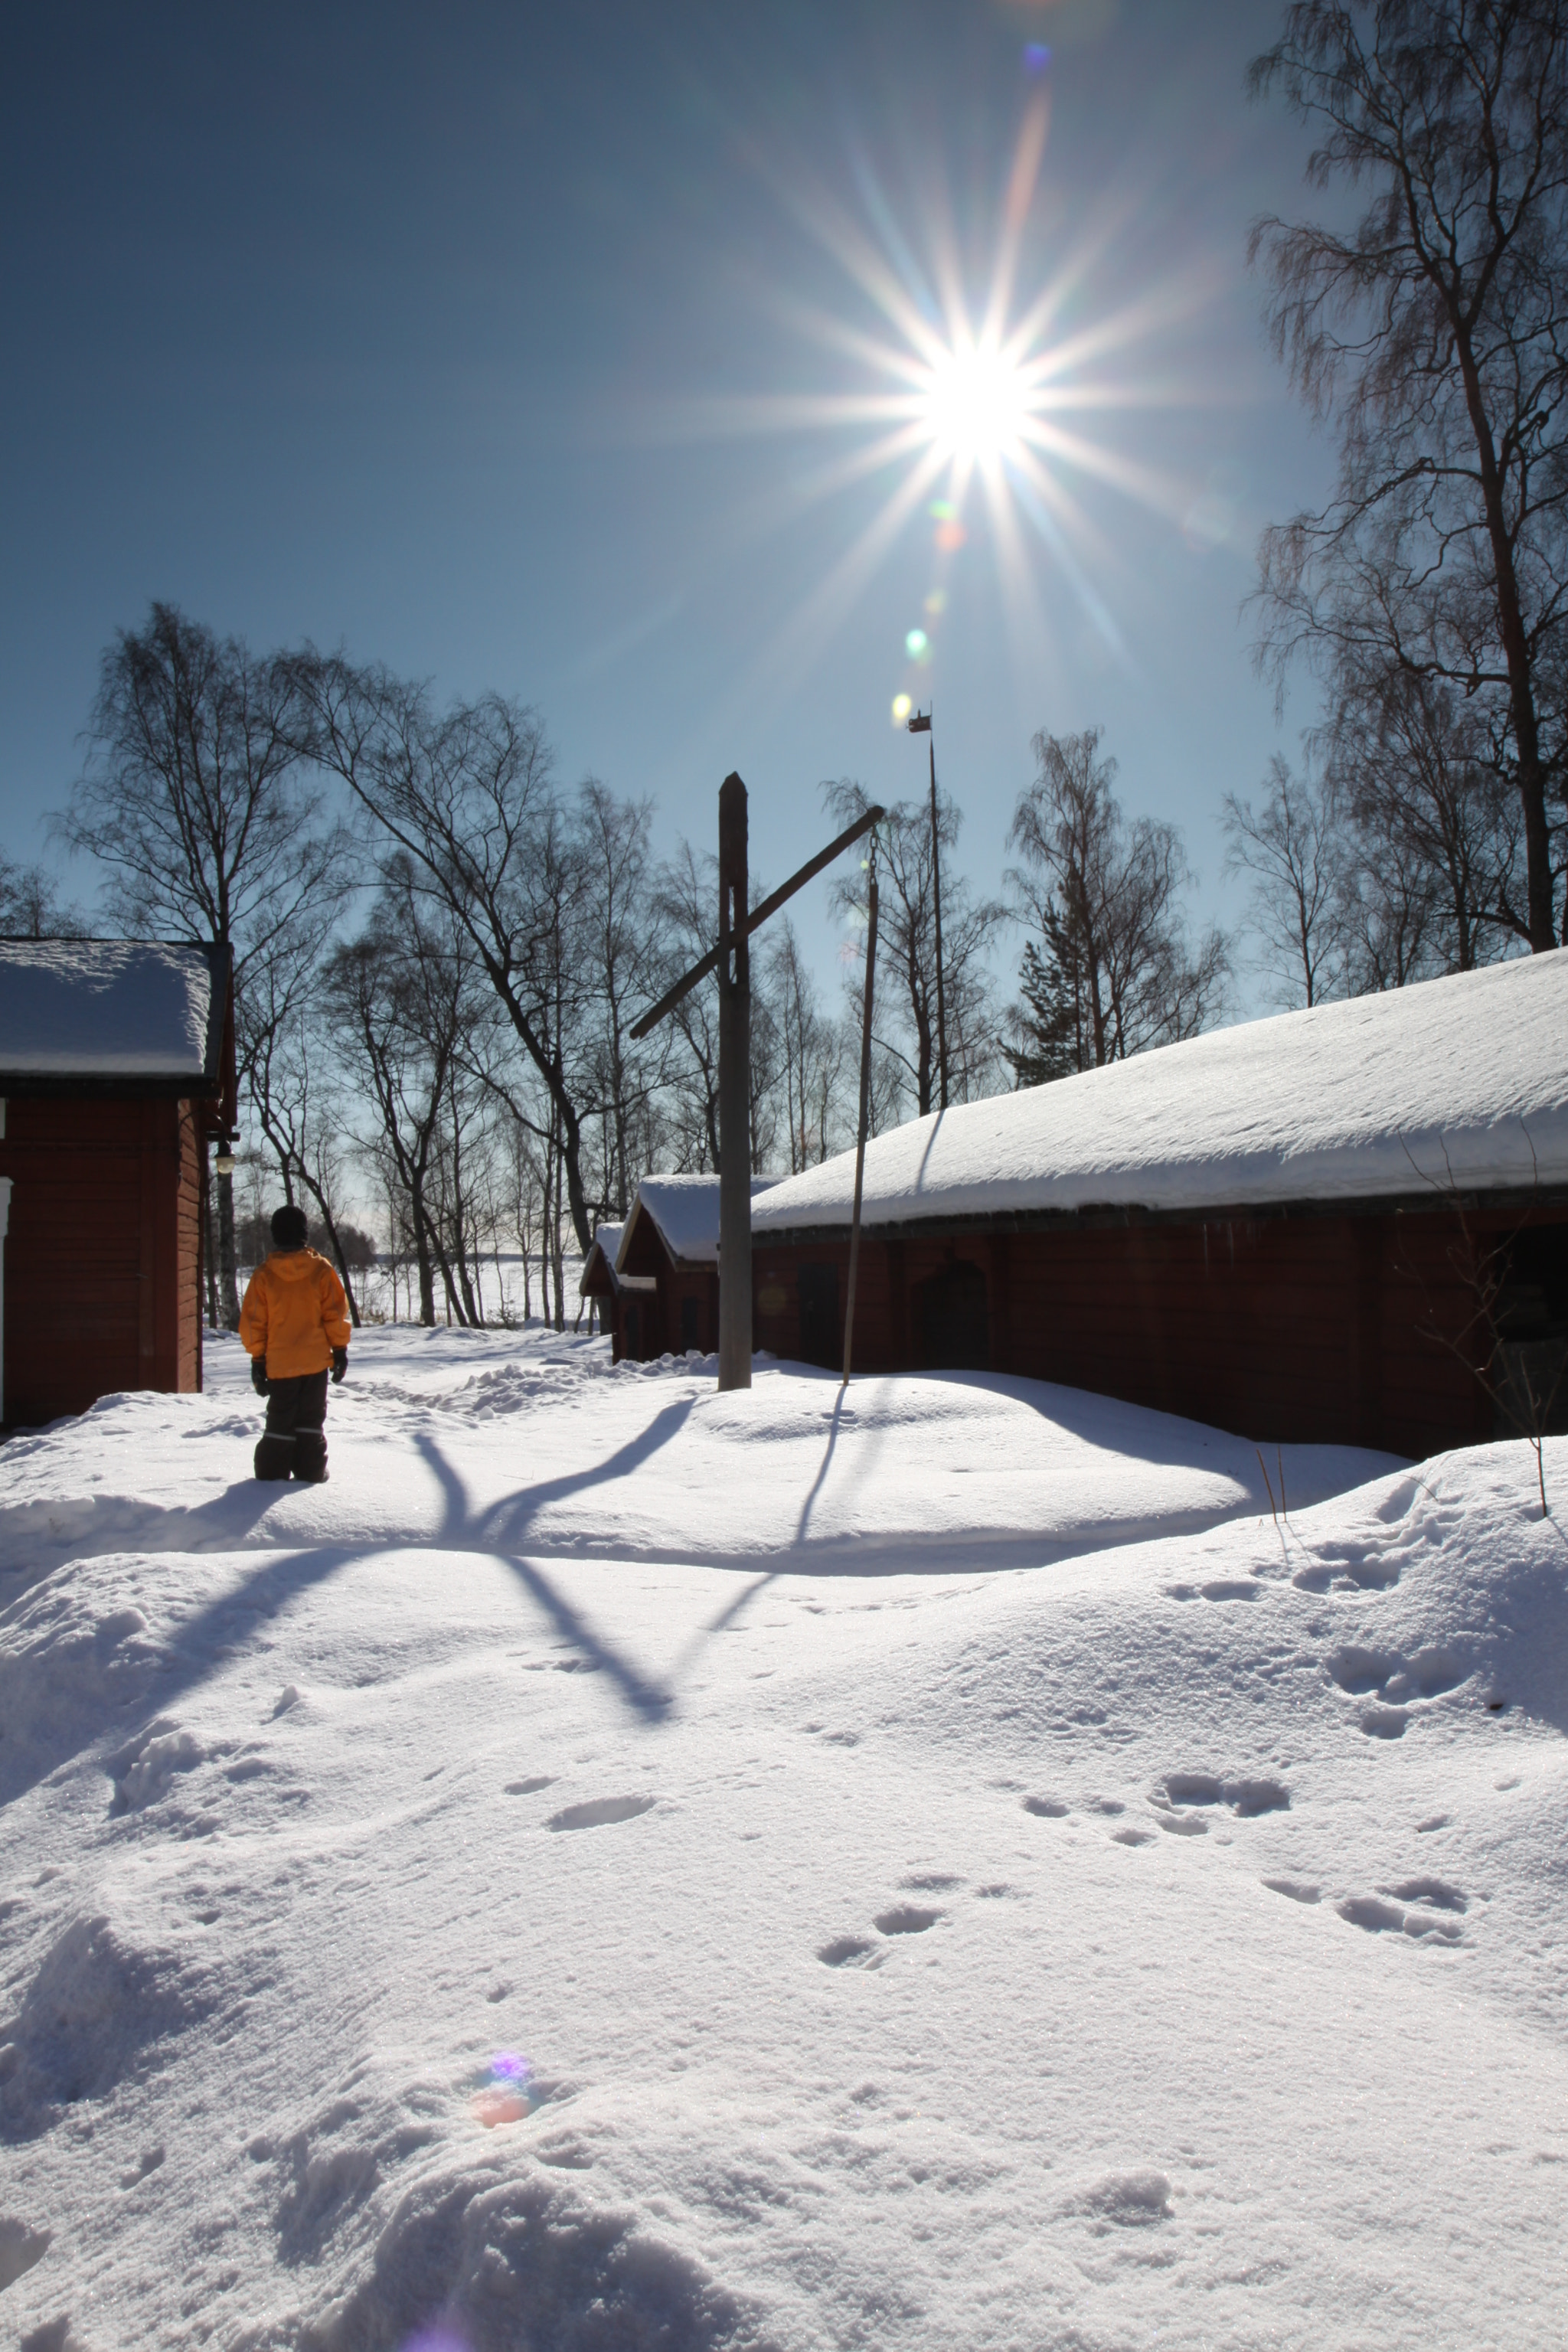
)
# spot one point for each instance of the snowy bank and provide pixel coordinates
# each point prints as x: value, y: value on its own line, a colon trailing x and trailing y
x: 410, y: 1926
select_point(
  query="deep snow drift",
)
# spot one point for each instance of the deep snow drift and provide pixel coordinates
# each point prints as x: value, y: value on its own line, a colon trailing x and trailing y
x: 625, y: 1867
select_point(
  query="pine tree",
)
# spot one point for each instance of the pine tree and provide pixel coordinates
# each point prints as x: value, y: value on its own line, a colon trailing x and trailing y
x: 1047, y: 1023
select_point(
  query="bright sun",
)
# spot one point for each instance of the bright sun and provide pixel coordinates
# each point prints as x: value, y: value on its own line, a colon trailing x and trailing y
x: 975, y: 406
x: 972, y: 411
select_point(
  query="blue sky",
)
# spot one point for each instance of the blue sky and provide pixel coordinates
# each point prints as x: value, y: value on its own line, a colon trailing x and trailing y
x: 442, y: 334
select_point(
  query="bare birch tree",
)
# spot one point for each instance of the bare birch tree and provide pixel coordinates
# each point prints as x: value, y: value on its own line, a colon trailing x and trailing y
x: 467, y: 795
x: 1291, y: 850
x: 906, y: 989
x: 194, y: 800
x: 1434, y: 333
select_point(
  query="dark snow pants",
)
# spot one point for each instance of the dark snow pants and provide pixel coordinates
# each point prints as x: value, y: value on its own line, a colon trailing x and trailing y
x: 294, y: 1444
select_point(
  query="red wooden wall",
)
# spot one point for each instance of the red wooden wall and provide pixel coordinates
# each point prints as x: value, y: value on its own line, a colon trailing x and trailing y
x: 682, y: 1312
x: 103, y: 1256
x: 1336, y: 1330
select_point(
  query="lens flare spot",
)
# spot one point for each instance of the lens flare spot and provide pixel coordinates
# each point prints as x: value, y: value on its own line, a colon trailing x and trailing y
x: 916, y: 642
x: 943, y: 511
x: 950, y: 537
x: 936, y: 604
x: 503, y: 2098
x: 902, y: 706
x: 1036, y: 57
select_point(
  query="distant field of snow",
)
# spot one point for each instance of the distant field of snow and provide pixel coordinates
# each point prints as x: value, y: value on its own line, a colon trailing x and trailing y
x: 626, y: 1867
x: 505, y: 1300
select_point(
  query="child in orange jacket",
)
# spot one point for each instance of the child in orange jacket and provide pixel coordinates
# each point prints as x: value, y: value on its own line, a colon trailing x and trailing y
x: 295, y: 1325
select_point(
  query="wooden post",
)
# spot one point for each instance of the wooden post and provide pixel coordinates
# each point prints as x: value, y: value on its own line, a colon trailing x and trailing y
x: 936, y: 908
x: 864, y: 1113
x: 734, y: 1094
x: 731, y: 959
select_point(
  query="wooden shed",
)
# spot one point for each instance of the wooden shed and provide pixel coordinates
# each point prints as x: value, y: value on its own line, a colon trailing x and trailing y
x: 667, y: 1268
x: 619, y: 1298
x: 1346, y: 1225
x: 116, y: 1066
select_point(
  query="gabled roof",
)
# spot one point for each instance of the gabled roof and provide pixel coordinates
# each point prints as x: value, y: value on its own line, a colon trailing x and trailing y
x: 683, y: 1211
x: 98, y: 1016
x: 1460, y: 1082
x: 599, y: 1265
x: 599, y: 1279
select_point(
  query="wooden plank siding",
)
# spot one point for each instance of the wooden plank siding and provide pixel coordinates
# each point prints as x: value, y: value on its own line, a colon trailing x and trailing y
x: 102, y: 1258
x: 1338, y: 1329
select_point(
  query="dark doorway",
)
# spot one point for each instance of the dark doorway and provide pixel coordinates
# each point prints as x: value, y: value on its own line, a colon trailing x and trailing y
x: 953, y: 1321
x: 631, y: 1330
x: 820, y: 1340
x: 1530, y: 1368
x: 689, y: 1323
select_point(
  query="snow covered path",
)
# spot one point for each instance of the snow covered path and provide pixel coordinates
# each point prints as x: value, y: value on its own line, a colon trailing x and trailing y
x: 1158, y: 1945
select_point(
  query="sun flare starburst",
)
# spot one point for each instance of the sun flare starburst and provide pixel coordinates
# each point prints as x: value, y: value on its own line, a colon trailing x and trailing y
x: 988, y: 419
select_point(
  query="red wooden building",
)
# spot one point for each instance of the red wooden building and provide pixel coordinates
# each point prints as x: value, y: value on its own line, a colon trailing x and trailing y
x: 1285, y: 1228
x: 116, y: 1066
x: 617, y: 1297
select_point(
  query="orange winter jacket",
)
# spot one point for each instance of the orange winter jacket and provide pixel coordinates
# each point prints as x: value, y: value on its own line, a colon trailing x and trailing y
x: 294, y: 1314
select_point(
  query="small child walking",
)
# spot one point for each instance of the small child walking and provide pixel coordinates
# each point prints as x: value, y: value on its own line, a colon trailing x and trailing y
x: 294, y: 1324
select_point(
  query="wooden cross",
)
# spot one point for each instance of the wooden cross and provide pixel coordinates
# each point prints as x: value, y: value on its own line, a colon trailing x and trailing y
x: 732, y: 960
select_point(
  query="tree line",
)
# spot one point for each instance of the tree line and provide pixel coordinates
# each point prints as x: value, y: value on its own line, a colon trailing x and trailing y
x: 440, y: 949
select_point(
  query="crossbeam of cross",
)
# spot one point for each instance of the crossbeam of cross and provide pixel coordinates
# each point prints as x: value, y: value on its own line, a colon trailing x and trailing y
x: 731, y: 960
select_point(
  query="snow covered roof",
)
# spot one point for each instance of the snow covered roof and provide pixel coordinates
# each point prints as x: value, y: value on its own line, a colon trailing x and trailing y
x: 125, y: 1013
x: 599, y: 1266
x: 684, y: 1214
x: 1460, y: 1078
x: 601, y: 1258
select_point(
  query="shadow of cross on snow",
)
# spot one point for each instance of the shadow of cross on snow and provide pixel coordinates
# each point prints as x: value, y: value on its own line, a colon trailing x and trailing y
x: 503, y: 1523
x: 197, y: 1646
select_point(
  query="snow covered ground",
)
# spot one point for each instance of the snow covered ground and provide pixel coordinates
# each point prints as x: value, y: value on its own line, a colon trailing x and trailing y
x: 625, y: 1867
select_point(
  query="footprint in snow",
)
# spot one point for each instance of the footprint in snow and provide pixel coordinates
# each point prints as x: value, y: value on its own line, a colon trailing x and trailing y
x: 527, y: 1788
x: 1380, y: 1918
x: 20, y: 2248
x: 1434, y: 1891
x: 1125, y: 2200
x: 1047, y: 1809
x: 1346, y: 1568
x: 1246, y: 1798
x: 905, y: 1919
x: 599, y: 1811
x: 1392, y: 1676
x: 850, y: 1952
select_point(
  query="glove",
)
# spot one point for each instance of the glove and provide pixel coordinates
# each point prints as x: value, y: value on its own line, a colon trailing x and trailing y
x: 258, y: 1374
x: 340, y: 1364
